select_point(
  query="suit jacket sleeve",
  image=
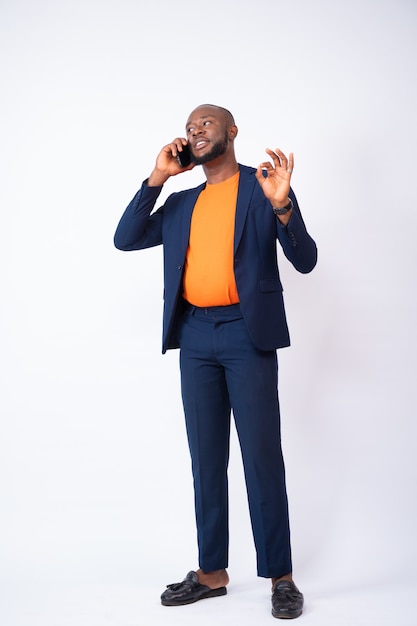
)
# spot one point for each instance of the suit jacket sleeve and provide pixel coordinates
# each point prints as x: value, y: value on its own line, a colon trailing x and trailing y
x: 138, y: 229
x: 299, y: 248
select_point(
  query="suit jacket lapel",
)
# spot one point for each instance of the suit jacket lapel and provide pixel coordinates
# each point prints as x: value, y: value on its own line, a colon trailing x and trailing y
x: 247, y: 182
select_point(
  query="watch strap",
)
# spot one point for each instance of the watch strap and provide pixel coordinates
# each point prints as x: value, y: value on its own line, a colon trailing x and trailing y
x: 284, y: 209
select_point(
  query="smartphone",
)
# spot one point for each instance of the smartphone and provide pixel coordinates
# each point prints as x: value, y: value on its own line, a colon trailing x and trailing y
x: 184, y: 157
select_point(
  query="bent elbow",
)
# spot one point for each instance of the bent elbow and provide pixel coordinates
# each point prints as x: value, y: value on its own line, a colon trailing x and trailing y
x: 120, y: 242
x: 305, y: 263
x: 310, y: 264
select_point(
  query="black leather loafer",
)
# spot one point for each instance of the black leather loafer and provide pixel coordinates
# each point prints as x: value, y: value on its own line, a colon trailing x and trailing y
x: 287, y: 601
x: 189, y: 591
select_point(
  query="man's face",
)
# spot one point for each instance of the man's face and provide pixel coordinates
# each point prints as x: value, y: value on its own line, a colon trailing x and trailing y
x: 207, y: 134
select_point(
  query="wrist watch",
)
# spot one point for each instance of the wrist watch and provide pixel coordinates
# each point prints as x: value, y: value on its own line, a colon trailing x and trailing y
x: 284, y: 209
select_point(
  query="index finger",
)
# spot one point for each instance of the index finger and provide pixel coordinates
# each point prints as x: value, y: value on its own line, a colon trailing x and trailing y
x: 177, y: 145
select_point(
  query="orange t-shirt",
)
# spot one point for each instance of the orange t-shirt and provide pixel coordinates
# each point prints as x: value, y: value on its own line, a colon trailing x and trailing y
x: 209, y: 278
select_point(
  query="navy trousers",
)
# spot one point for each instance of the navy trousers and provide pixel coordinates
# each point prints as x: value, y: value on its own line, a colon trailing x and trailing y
x: 223, y: 372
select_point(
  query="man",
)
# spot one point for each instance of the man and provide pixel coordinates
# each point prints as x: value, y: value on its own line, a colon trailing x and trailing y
x: 223, y: 308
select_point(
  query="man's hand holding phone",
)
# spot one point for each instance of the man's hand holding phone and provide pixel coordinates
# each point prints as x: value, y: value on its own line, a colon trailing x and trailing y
x: 173, y: 159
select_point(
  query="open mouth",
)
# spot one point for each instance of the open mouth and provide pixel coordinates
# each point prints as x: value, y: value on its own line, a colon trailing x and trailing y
x: 199, y: 145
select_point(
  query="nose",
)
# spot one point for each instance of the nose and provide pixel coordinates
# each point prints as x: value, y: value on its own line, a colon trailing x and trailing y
x: 198, y: 130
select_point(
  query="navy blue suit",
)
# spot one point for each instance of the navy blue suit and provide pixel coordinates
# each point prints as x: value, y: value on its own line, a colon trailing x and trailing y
x: 228, y: 360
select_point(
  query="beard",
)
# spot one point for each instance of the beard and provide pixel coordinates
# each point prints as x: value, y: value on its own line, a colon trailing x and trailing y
x: 217, y: 150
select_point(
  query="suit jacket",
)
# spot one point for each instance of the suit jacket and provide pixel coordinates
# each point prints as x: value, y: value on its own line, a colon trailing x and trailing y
x: 255, y: 253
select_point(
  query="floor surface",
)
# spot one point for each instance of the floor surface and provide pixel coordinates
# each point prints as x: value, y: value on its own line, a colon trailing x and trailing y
x: 246, y: 604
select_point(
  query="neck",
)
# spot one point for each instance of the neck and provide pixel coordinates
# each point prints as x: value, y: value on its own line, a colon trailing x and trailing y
x: 220, y: 169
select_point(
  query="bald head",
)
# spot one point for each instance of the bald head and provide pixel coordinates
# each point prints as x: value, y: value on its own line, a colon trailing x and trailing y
x: 215, y: 109
x: 225, y: 112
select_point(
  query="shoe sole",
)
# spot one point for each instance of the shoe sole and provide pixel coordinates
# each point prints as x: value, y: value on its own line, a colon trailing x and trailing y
x: 213, y: 593
x: 286, y: 615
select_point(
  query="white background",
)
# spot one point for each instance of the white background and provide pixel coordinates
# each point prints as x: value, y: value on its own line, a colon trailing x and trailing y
x: 96, y: 495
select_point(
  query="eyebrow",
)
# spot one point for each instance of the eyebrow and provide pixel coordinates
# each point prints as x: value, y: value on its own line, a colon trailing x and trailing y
x: 202, y: 117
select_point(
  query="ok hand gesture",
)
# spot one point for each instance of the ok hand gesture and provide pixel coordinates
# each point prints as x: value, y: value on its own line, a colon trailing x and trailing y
x: 276, y: 184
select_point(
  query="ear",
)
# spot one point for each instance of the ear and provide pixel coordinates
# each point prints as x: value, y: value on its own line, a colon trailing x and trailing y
x: 233, y: 130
